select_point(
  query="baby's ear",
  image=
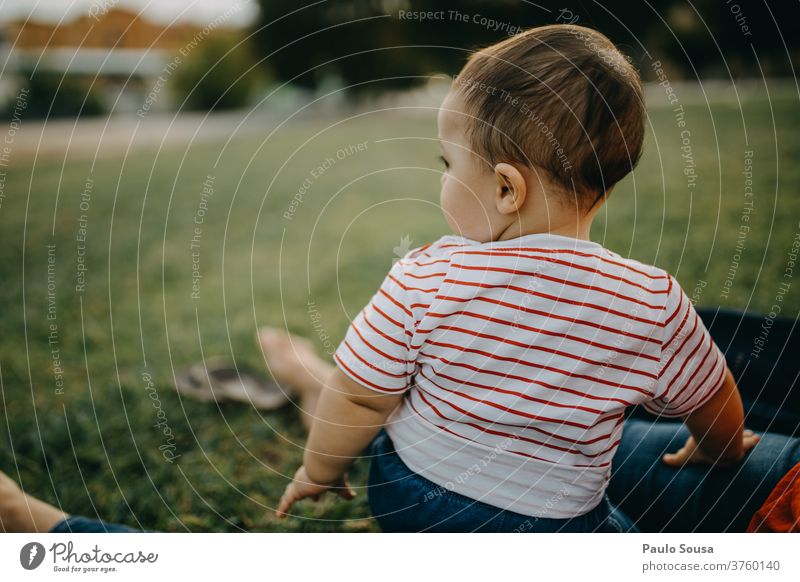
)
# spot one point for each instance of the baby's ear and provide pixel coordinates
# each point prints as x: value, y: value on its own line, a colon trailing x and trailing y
x: 511, y: 188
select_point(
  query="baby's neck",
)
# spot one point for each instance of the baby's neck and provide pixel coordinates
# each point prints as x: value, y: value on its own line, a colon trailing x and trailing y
x: 579, y: 229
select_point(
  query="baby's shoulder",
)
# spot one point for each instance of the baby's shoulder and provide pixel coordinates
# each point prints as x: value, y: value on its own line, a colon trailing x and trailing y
x: 441, y: 248
x: 655, y: 278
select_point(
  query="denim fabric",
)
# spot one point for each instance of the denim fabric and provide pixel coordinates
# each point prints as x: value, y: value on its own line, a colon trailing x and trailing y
x: 693, y: 498
x: 78, y: 524
x: 403, y: 501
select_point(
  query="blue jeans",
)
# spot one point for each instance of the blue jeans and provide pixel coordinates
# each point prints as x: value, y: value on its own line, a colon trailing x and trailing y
x: 78, y: 524
x: 693, y: 498
x: 403, y: 501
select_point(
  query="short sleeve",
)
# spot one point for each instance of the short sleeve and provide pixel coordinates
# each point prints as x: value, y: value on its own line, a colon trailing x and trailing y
x: 375, y: 351
x: 692, y: 368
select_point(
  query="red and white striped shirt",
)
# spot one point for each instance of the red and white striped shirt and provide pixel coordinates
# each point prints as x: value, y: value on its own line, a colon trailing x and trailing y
x: 517, y: 359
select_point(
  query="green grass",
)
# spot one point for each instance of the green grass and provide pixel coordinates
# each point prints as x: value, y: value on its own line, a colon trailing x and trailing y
x: 94, y: 448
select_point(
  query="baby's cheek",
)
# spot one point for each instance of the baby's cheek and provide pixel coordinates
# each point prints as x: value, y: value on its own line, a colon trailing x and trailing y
x: 444, y: 202
x: 451, y: 208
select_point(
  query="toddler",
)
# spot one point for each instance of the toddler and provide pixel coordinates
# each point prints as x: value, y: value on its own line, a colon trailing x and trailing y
x: 497, y: 362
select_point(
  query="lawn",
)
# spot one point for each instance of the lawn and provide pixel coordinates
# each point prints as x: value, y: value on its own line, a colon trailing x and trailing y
x: 298, y: 232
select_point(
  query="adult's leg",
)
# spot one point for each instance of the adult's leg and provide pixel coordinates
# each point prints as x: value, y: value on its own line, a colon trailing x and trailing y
x: 79, y: 524
x: 693, y: 498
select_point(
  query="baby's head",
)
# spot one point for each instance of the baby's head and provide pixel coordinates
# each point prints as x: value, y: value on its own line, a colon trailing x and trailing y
x: 535, y: 132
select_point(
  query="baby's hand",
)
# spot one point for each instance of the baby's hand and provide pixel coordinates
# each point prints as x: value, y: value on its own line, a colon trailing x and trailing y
x: 691, y: 454
x: 302, y: 487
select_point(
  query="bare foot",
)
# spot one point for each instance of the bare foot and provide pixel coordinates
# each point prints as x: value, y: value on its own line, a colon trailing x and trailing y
x: 292, y: 360
x: 22, y: 513
x: 288, y: 357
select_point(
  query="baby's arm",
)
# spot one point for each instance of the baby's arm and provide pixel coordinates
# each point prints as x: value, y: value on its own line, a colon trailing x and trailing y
x: 375, y: 368
x: 347, y: 418
x: 717, y: 428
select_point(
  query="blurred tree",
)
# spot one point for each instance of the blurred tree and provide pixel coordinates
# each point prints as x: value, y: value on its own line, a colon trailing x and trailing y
x: 216, y: 75
x: 366, y: 44
x: 745, y: 36
x: 57, y: 95
x: 371, y: 48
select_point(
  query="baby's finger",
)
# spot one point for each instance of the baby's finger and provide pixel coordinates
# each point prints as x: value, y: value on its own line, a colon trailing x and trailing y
x: 344, y: 490
x: 750, y: 441
x: 284, y: 505
x: 287, y: 500
x: 677, y: 459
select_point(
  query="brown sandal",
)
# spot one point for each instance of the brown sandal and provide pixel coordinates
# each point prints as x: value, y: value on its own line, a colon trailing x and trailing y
x: 221, y: 381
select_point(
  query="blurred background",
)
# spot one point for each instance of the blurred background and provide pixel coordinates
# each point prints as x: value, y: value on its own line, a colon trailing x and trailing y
x: 175, y: 174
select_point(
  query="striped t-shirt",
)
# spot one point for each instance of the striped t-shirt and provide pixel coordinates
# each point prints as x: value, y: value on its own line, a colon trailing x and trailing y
x: 517, y: 360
